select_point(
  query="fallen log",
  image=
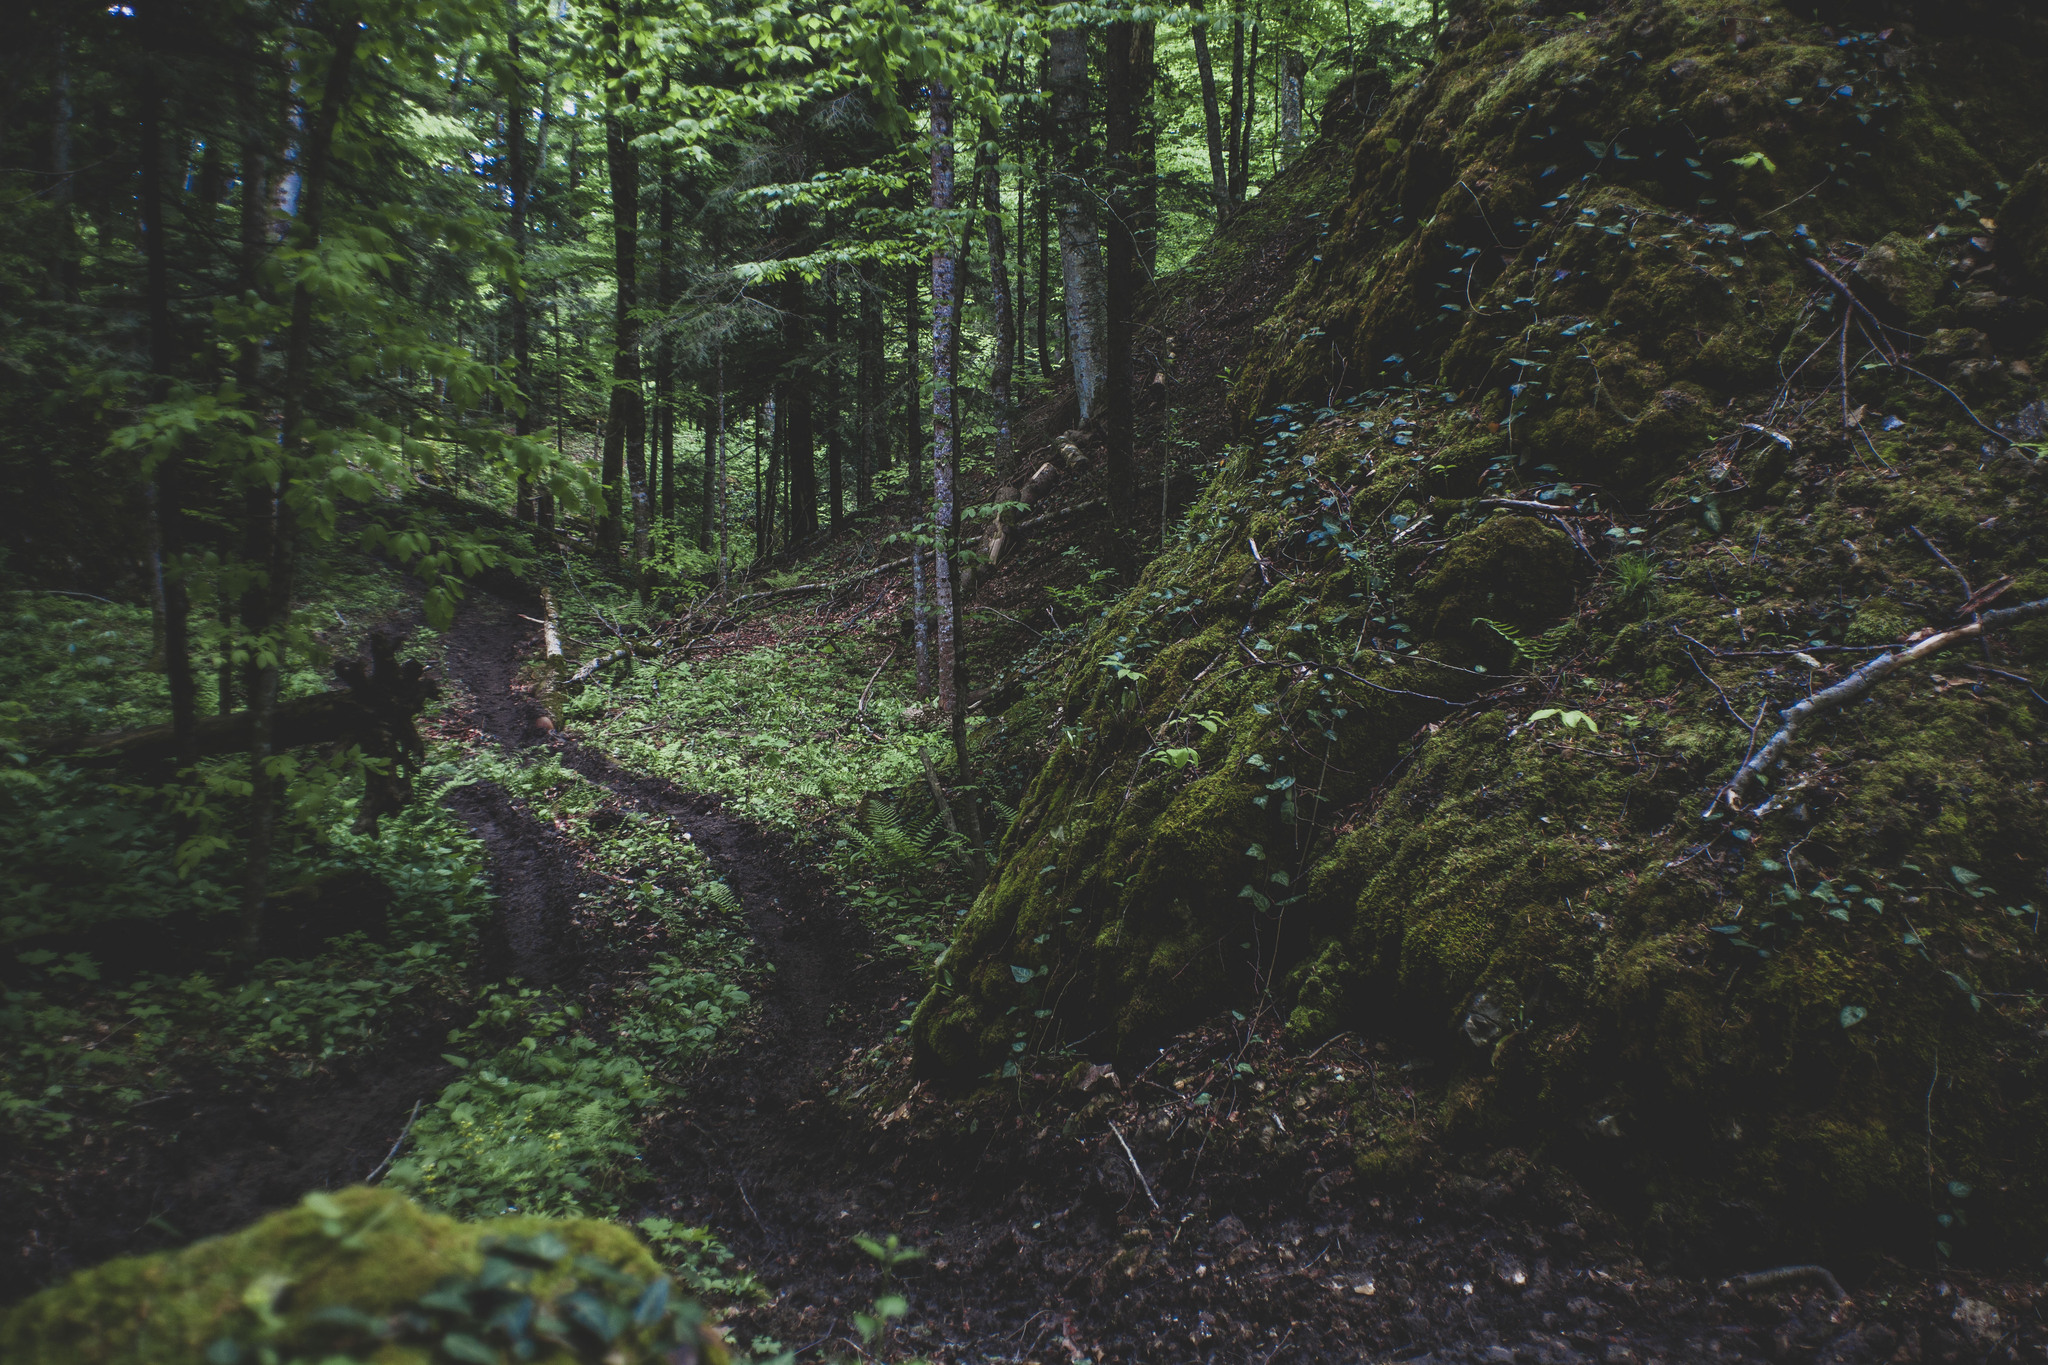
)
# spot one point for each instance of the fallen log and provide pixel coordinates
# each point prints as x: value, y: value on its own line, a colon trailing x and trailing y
x: 377, y: 708
x: 639, y: 649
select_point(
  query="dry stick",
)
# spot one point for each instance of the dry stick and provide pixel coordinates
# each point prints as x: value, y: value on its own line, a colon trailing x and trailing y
x: 2020, y: 678
x: 1788, y: 1274
x: 861, y: 710
x: 1143, y: 1183
x: 371, y: 1178
x: 1849, y: 297
x: 1991, y: 431
x: 1961, y: 577
x: 1858, y: 683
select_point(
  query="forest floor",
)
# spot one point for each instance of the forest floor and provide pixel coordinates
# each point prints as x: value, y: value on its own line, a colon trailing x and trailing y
x: 1044, y: 1234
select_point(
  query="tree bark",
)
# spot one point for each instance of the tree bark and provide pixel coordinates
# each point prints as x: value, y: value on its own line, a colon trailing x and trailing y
x: 166, y: 487
x: 1080, y: 241
x: 1143, y: 185
x: 1003, y: 367
x: 1121, y: 118
x: 794, y: 412
x: 1212, y: 119
x: 273, y: 533
x: 1293, y: 71
x: 1234, y: 146
x: 624, y: 430
x: 945, y: 430
x: 665, y: 349
x: 873, y: 426
x: 1045, y: 359
x: 835, y: 443
x: 519, y: 189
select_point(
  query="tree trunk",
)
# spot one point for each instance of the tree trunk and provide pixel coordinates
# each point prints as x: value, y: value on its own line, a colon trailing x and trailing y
x: 1080, y: 245
x: 1293, y: 71
x: 665, y: 349
x: 1212, y: 120
x: 166, y: 488
x: 519, y: 189
x: 945, y: 433
x: 706, y: 515
x: 913, y: 393
x: 1143, y: 186
x: 835, y: 443
x: 1045, y: 360
x: 724, y: 509
x: 1002, y: 369
x: 1234, y: 192
x: 768, y: 427
x: 272, y: 534
x: 870, y: 447
x: 794, y: 412
x: 1121, y: 117
x: 624, y: 430
x: 64, y: 280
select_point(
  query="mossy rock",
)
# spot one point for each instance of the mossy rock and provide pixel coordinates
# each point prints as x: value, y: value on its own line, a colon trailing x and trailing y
x: 1728, y: 1027
x: 1905, y: 278
x: 367, y: 1273
x: 2023, y: 226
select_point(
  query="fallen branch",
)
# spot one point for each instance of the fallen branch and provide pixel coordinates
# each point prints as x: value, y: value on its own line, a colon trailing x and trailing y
x: 639, y: 649
x: 1854, y: 686
x: 391, y: 1155
x: 1836, y: 283
x: 1787, y: 1274
x: 1143, y: 1183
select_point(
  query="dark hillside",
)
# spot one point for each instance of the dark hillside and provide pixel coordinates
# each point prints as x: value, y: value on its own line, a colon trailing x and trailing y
x: 1660, y: 368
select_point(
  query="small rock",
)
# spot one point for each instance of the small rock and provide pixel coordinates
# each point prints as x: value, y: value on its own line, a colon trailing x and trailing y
x: 1229, y: 1230
x: 1980, y: 1321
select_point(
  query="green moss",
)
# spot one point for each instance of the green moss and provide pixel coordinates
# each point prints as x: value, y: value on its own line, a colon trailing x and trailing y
x: 361, y: 1251
x: 1380, y: 835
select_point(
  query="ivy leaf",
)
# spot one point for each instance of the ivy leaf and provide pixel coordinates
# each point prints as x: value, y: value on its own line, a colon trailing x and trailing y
x: 1852, y: 1015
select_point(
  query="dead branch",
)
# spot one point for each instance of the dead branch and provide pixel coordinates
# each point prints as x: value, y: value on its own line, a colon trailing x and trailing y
x: 1788, y: 1274
x: 1947, y: 563
x: 1856, y: 685
x: 639, y: 649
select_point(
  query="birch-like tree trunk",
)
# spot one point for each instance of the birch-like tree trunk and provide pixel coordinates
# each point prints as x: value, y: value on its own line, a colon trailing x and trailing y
x: 1212, y: 118
x: 945, y: 425
x: 1002, y: 369
x: 1081, y: 264
x: 1293, y: 71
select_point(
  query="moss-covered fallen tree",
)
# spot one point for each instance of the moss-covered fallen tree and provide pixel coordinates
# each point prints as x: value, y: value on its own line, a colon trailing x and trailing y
x: 364, y: 1274
x: 1565, y: 472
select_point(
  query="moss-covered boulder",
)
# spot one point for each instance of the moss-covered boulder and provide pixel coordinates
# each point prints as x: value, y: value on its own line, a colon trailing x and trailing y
x: 1376, y: 746
x: 365, y: 1274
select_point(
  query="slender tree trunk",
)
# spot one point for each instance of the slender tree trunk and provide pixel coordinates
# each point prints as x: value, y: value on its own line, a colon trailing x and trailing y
x: 945, y: 431
x: 1080, y: 245
x: 665, y: 351
x: 870, y: 447
x: 519, y: 190
x: 913, y: 393
x: 794, y: 413
x: 1045, y: 358
x: 835, y: 442
x: 273, y: 534
x: 1143, y: 184
x: 723, y: 486
x: 1235, y: 132
x: 706, y: 515
x: 624, y: 430
x: 166, y: 487
x: 1002, y: 369
x: 768, y: 428
x: 1251, y: 104
x: 1212, y: 121
x: 64, y: 281
x: 1120, y: 110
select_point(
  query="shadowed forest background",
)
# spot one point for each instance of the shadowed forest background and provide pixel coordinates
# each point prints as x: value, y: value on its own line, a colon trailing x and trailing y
x: 1325, y: 679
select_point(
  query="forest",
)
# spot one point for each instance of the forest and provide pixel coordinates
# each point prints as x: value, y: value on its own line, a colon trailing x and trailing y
x: 1261, y: 681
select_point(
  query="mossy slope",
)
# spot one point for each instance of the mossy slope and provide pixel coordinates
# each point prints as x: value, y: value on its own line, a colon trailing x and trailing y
x: 343, y: 1276
x: 1301, y: 763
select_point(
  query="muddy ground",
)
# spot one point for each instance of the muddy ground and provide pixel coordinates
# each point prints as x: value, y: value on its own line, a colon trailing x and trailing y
x: 1119, y: 1223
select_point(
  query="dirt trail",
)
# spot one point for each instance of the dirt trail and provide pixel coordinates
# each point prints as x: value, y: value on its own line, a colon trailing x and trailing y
x: 1039, y: 1243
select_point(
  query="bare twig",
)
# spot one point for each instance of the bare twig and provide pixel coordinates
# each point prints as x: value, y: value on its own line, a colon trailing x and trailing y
x: 392, y: 1155
x: 1947, y: 563
x: 1788, y: 1274
x: 1849, y: 297
x: 1129, y: 1156
x: 1856, y: 685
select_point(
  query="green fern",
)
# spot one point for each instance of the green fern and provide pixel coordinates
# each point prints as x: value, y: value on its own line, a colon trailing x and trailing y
x: 888, y: 846
x: 1533, y: 649
x: 719, y: 895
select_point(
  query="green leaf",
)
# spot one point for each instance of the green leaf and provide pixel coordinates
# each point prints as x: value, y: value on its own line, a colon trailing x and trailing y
x: 1020, y: 975
x: 463, y: 1346
x: 1852, y: 1015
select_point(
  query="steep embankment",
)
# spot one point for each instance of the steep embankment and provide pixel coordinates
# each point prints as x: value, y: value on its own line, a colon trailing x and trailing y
x: 1659, y: 369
